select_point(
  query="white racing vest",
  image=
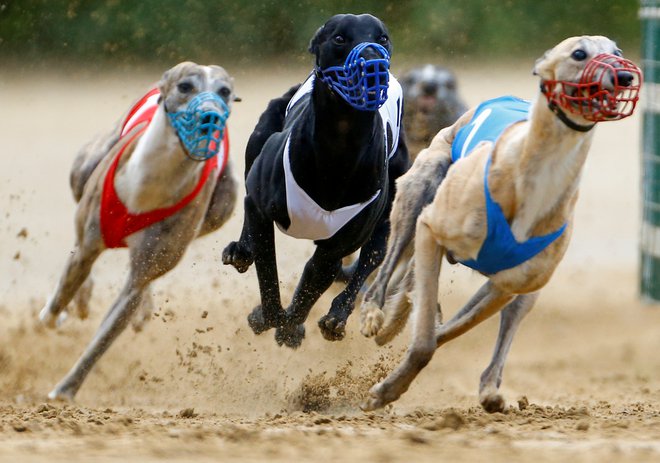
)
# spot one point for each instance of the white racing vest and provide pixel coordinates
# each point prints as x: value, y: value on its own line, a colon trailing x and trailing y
x: 308, y: 219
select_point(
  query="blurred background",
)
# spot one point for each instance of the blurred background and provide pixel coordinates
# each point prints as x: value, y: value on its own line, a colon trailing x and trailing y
x: 36, y: 33
x: 70, y: 68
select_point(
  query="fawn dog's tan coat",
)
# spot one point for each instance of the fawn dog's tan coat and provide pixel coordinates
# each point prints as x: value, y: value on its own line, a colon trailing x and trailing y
x: 534, y: 176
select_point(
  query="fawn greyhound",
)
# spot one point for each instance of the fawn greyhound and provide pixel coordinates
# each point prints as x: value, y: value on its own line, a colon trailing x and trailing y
x: 496, y: 192
x: 156, y: 181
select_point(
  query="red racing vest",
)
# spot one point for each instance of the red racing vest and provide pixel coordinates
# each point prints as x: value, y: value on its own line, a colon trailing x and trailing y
x: 117, y: 222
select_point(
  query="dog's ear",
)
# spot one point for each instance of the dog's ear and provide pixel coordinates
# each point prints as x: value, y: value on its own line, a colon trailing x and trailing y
x: 169, y: 77
x: 162, y: 83
x: 316, y: 41
x: 541, y: 67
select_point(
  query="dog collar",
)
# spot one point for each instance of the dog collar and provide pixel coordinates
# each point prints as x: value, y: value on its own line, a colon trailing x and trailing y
x: 566, y: 120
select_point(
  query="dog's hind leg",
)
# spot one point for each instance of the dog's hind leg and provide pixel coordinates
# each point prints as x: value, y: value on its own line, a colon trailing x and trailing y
x: 486, y: 302
x: 270, y: 122
x: 318, y: 275
x: 398, y: 303
x: 82, y: 298
x: 491, y: 378
x: 415, y: 190
x: 428, y: 259
x: 144, y: 312
x: 333, y: 324
x: 76, y: 271
x: 88, y: 158
x: 222, y: 202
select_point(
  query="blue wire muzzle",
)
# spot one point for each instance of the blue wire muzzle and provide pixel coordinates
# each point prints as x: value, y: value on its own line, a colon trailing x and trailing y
x: 201, y: 126
x: 361, y: 82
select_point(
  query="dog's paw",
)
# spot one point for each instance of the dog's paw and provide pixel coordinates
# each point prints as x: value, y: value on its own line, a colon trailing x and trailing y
x: 376, y: 399
x: 238, y: 255
x: 493, y: 403
x: 290, y: 335
x: 47, y: 318
x: 51, y: 320
x: 258, y: 322
x: 371, y: 319
x: 60, y: 395
x: 332, y: 328
x: 139, y: 320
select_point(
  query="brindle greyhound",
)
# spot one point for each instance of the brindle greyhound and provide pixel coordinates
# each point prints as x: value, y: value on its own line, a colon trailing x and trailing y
x: 495, y: 191
x: 432, y: 102
x: 156, y: 181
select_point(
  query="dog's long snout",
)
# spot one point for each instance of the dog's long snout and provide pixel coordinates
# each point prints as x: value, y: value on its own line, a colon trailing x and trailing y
x: 623, y: 78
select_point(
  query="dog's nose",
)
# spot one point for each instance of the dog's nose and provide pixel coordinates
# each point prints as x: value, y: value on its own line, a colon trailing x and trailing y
x: 206, y: 121
x: 623, y: 78
x: 429, y: 88
x: 370, y: 53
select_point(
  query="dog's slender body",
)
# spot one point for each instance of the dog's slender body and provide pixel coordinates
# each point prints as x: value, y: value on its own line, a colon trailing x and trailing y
x: 432, y: 102
x: 152, y: 172
x: 338, y: 157
x: 440, y: 210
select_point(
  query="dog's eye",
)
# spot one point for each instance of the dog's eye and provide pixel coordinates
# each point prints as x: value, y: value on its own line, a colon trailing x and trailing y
x: 383, y: 39
x: 224, y: 92
x: 579, y: 55
x: 617, y: 53
x: 339, y: 39
x: 185, y: 87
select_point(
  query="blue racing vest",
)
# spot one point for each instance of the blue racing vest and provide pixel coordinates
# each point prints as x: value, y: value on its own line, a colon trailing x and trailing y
x: 500, y: 250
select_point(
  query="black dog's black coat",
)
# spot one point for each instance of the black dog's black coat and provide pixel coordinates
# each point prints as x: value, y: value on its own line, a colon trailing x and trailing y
x: 338, y: 156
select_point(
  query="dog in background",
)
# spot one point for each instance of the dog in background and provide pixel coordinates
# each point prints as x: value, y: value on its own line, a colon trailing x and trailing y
x: 321, y: 164
x: 156, y: 181
x: 431, y: 103
x: 496, y: 191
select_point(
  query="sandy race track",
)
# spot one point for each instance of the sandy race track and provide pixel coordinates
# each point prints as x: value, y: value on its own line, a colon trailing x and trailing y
x: 582, y: 381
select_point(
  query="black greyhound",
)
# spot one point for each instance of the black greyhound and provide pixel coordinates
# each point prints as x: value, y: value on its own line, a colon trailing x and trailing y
x: 334, y: 156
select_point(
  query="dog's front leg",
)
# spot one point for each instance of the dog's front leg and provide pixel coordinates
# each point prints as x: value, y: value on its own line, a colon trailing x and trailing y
x: 240, y: 253
x: 319, y: 273
x: 118, y: 317
x: 261, y: 234
x: 491, y: 378
x: 428, y: 259
x: 333, y: 324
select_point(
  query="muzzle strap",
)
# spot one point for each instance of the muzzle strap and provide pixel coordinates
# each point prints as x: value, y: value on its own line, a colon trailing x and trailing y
x: 561, y: 115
